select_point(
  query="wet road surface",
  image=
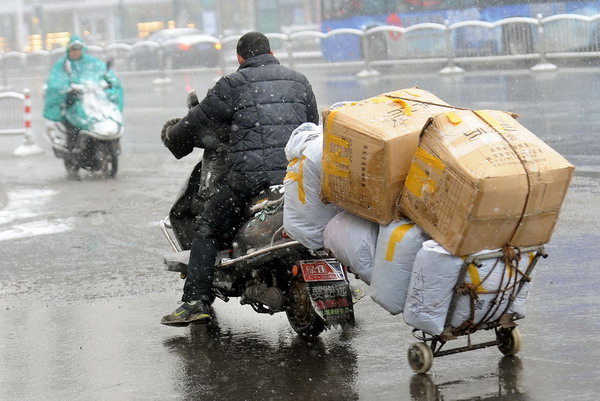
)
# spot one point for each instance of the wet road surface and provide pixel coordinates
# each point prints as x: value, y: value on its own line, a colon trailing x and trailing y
x: 82, y: 286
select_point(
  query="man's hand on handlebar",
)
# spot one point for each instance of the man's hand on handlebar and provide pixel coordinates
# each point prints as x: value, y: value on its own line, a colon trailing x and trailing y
x: 164, y: 133
x: 72, y: 94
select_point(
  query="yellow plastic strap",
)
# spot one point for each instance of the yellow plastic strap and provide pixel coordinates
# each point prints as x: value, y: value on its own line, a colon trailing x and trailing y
x: 329, y: 137
x: 337, y: 140
x: 454, y: 118
x: 512, y: 271
x: 405, y: 107
x: 475, y: 279
x: 429, y: 159
x: 491, y: 121
x: 330, y: 159
x: 397, y: 236
x: 297, y: 176
x: 291, y: 174
x: 332, y: 169
x: 413, y: 94
x: 326, y: 145
x: 292, y: 162
x: 330, y: 118
x: 377, y: 100
x: 418, y: 181
x: 337, y: 158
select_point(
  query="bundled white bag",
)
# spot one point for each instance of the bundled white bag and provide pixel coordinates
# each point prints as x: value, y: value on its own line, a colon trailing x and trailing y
x: 395, y: 252
x: 432, y: 283
x: 518, y: 306
x: 352, y: 240
x: 304, y: 215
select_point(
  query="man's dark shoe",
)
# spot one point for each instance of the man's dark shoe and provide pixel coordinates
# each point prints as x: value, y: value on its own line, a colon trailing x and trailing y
x: 188, y: 312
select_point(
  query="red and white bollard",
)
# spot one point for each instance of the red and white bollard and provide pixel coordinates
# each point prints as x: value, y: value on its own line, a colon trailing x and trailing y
x: 28, y: 147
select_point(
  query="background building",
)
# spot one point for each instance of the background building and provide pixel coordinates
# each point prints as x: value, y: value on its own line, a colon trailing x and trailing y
x: 28, y: 25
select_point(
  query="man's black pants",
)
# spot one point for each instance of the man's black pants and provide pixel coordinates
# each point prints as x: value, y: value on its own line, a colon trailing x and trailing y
x: 222, y: 217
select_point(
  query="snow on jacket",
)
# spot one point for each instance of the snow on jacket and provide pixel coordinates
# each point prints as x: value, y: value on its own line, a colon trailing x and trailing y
x: 261, y: 103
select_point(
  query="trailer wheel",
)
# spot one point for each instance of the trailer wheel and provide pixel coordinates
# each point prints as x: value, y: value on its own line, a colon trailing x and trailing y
x: 420, y: 357
x: 510, y: 341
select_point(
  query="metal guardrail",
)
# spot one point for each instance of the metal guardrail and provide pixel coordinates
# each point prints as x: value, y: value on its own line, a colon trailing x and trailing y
x: 15, y: 119
x: 12, y: 120
x: 534, y: 41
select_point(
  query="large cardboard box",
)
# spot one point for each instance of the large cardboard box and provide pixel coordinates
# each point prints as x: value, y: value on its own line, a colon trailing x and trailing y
x: 480, y: 180
x: 368, y: 147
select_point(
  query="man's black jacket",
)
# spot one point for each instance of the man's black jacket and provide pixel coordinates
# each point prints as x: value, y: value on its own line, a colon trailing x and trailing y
x: 261, y: 103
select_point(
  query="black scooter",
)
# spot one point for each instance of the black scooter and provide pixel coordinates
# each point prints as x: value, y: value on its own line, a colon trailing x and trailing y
x: 261, y: 266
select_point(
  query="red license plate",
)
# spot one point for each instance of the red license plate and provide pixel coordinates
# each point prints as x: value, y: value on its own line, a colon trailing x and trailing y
x: 322, y: 270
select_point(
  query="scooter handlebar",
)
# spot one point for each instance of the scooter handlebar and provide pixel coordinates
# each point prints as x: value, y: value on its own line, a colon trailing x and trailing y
x: 192, y: 99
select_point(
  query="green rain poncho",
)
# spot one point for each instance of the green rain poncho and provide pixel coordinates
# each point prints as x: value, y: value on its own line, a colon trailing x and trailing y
x: 86, y: 69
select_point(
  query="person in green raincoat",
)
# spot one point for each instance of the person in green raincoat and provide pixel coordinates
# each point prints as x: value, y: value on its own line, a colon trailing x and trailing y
x: 79, y: 69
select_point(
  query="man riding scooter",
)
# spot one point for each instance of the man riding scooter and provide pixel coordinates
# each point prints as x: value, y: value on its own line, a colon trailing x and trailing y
x: 260, y: 104
x: 66, y: 80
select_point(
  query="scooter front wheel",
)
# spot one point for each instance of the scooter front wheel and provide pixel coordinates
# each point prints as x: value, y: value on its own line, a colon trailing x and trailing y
x: 110, y: 163
x: 301, y: 314
x: 72, y: 166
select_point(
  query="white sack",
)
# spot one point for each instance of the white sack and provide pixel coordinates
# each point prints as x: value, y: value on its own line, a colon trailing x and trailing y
x: 304, y: 215
x: 352, y: 240
x: 395, y: 252
x: 431, y: 287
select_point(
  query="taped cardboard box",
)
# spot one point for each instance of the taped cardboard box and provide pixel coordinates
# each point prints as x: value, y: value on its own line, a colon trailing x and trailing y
x: 480, y: 180
x: 368, y: 147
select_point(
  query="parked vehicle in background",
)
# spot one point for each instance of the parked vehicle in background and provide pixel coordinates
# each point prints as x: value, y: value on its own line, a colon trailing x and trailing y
x: 173, y: 49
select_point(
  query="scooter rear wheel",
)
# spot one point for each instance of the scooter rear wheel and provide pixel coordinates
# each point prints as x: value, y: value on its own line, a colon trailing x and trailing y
x: 301, y: 314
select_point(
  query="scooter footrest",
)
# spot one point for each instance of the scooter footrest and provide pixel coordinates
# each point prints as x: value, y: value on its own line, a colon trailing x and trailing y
x: 177, y: 261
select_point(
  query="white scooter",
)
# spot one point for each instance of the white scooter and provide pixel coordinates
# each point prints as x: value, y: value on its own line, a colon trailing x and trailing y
x: 89, y: 139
